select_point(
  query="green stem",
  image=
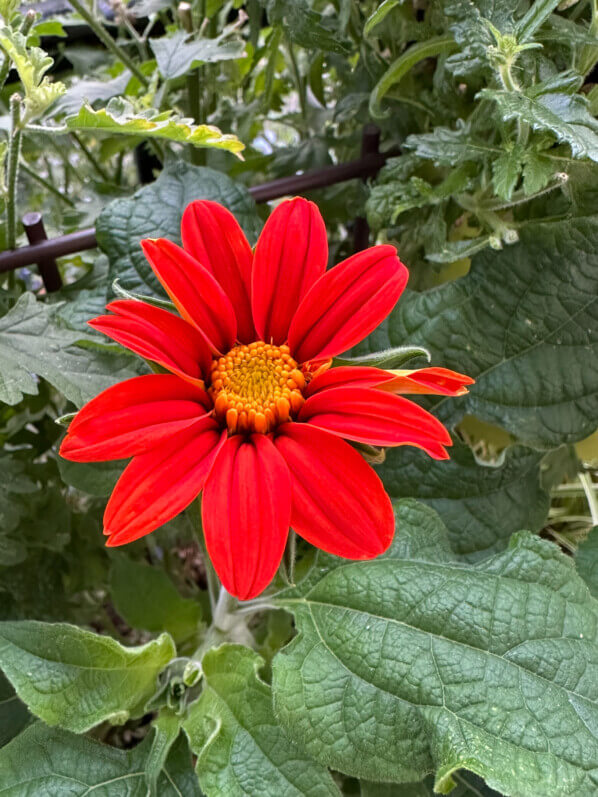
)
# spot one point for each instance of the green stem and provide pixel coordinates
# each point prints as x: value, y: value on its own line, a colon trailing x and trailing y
x: 46, y: 184
x: 14, y: 149
x: 91, y: 158
x: 299, y: 82
x: 291, y: 556
x: 108, y: 41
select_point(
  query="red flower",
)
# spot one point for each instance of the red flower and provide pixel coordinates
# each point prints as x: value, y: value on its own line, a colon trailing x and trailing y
x: 250, y: 411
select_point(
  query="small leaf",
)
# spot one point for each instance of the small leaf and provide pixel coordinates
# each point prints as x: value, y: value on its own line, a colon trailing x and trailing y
x: 76, y: 679
x: 304, y: 26
x: 147, y: 599
x: 95, y: 478
x: 119, y: 117
x: 179, y: 53
x: 505, y: 172
x: 239, y: 746
x: 388, y: 358
x: 31, y: 63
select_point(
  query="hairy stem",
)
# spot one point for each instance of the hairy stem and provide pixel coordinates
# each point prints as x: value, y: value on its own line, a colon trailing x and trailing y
x: 14, y: 149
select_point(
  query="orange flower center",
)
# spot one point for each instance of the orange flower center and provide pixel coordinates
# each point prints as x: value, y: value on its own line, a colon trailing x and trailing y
x: 255, y: 387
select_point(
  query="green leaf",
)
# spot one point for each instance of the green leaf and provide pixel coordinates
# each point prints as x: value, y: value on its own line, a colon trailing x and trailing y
x: 91, y: 91
x: 95, y: 478
x: 49, y: 761
x: 147, y: 599
x: 120, y: 117
x: 13, y: 712
x: 76, y: 679
x: 389, y: 358
x: 448, y: 147
x: 506, y: 170
x: 403, y: 64
x: 31, y: 63
x: 481, y: 505
x: 377, y: 16
x: 410, y: 663
x: 166, y: 730
x: 586, y: 559
x: 538, y: 170
x: 566, y: 116
x: 155, y: 211
x: 304, y: 26
x: 240, y: 749
x: 33, y: 342
x: 176, y: 54
x: 524, y: 326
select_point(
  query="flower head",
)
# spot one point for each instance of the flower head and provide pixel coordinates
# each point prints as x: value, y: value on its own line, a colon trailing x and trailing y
x: 249, y: 409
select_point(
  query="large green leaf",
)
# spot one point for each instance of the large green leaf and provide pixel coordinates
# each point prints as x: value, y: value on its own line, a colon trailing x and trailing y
x: 155, y: 211
x: 481, y: 505
x: 119, y: 117
x: 33, y: 342
x: 49, y: 761
x: 147, y: 599
x: 415, y: 662
x: 75, y: 679
x: 176, y: 54
x: 240, y: 748
x: 523, y: 322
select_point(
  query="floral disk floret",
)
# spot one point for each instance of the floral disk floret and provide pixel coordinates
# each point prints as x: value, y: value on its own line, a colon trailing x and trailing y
x: 248, y: 408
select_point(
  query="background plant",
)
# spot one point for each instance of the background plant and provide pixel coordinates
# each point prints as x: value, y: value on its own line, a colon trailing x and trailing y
x: 462, y: 658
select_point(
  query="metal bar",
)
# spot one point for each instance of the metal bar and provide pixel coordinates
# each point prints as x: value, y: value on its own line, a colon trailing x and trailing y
x: 62, y: 245
x: 52, y: 247
x: 36, y: 233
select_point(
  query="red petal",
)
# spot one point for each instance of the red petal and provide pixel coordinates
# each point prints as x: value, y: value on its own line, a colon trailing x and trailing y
x: 132, y: 417
x: 246, y: 510
x: 213, y: 236
x: 290, y: 255
x: 435, y: 381
x: 195, y: 292
x: 339, y: 503
x: 345, y: 375
x: 347, y: 303
x: 157, y: 335
x: 156, y: 486
x: 371, y: 416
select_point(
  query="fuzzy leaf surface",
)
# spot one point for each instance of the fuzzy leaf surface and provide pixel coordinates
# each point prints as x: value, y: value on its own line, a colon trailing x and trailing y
x: 413, y: 663
x: 76, y: 679
x: 240, y: 748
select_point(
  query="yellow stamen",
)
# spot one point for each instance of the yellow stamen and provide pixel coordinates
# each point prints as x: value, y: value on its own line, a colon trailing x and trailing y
x: 255, y: 387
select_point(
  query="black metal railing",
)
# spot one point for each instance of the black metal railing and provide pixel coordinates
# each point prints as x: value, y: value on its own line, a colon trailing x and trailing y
x: 43, y: 251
